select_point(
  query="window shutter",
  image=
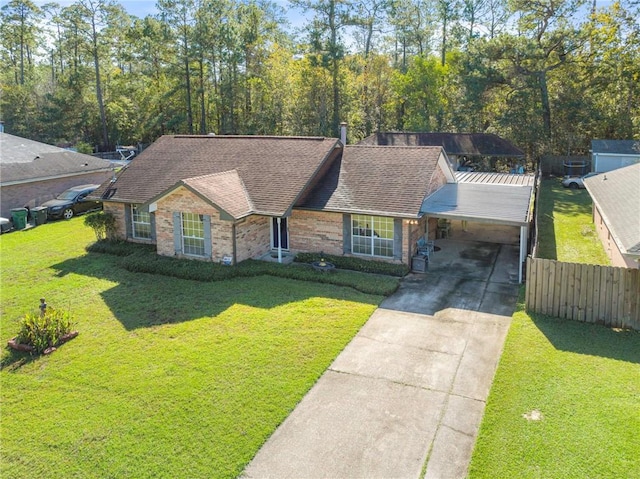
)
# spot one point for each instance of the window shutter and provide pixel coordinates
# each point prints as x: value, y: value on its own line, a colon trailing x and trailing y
x: 397, y: 238
x: 152, y: 221
x: 346, y: 234
x: 127, y: 221
x: 206, y: 220
x: 177, y: 232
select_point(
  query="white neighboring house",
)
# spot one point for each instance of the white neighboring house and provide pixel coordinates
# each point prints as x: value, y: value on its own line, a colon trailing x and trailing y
x: 607, y: 155
x: 616, y: 213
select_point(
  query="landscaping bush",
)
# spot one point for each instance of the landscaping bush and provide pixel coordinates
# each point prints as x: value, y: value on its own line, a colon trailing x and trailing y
x: 355, y: 264
x: 119, y: 248
x: 44, y: 331
x: 103, y: 224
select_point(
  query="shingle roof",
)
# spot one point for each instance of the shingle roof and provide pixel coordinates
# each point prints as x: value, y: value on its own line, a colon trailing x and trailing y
x: 52, y: 165
x: 274, y: 170
x: 472, y: 144
x: 15, y: 149
x: 379, y: 180
x: 225, y: 190
x: 617, y: 196
x: 618, y: 147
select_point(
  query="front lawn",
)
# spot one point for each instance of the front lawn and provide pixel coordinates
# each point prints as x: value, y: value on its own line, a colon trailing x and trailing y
x: 565, y: 227
x: 582, y: 384
x: 168, y: 377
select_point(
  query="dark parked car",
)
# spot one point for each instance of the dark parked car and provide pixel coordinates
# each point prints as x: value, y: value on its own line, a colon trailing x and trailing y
x: 72, y: 202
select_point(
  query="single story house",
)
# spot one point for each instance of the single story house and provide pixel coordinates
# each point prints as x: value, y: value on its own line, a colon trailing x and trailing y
x: 459, y: 147
x: 230, y: 198
x: 616, y: 213
x: 607, y: 155
x: 32, y: 172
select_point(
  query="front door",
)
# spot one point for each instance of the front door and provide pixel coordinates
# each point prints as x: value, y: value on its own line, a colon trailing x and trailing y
x: 284, y: 233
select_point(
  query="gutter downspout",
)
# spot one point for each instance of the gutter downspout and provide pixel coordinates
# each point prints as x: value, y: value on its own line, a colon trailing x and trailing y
x: 524, y: 235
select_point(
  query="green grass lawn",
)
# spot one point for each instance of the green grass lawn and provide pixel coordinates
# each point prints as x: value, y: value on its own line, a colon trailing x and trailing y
x: 565, y: 227
x: 585, y: 381
x: 168, y: 377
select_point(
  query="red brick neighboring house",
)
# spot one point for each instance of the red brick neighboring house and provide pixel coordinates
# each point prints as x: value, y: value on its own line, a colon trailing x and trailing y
x: 230, y: 198
x: 616, y: 213
x: 32, y: 172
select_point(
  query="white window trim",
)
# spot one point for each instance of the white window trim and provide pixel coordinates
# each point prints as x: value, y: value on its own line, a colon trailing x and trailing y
x: 373, y: 238
x: 183, y: 237
x: 134, y: 222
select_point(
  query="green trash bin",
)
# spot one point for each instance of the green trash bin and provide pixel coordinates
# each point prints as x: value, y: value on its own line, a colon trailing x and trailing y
x: 39, y: 215
x: 19, y: 216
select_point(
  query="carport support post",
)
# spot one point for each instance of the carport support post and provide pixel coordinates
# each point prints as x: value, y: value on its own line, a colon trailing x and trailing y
x: 278, y: 220
x: 524, y: 236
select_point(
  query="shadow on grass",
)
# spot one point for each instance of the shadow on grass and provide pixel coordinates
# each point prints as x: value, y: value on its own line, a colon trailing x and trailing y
x: 140, y: 300
x: 589, y: 339
x: 14, y: 360
x: 546, y: 239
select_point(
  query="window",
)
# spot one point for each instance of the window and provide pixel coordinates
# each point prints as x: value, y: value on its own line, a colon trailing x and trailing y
x: 193, y: 234
x: 140, y: 223
x: 372, y: 235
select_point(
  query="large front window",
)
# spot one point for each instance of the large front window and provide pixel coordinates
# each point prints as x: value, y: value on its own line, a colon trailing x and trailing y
x: 193, y: 234
x: 140, y: 223
x: 372, y: 235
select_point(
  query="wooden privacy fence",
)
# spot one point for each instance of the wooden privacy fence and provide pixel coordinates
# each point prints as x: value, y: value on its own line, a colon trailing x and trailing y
x: 584, y: 292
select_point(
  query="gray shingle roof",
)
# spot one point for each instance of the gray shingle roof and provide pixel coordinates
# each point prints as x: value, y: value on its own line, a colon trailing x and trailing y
x: 274, y: 170
x: 226, y: 190
x: 15, y: 149
x: 617, y: 196
x: 379, y: 180
x: 618, y: 147
x: 472, y: 144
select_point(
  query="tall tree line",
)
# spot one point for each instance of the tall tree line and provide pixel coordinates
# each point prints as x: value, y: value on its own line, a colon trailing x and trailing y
x: 550, y: 75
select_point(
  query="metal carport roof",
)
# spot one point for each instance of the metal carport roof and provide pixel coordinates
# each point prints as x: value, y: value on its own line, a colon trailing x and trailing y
x: 481, y: 202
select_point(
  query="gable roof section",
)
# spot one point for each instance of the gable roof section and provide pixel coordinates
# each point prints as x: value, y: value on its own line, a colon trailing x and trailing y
x: 472, y: 144
x: 616, y: 147
x: 616, y: 194
x: 223, y: 190
x: 378, y: 180
x: 273, y: 170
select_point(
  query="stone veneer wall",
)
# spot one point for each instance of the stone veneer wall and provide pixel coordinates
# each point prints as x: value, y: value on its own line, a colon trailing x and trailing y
x: 314, y: 231
x: 253, y: 237
x: 184, y: 201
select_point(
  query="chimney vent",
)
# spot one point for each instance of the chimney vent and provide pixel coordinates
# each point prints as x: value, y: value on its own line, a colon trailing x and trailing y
x: 343, y: 132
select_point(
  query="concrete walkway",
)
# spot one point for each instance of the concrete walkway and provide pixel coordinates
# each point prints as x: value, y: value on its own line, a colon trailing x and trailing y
x: 405, y: 398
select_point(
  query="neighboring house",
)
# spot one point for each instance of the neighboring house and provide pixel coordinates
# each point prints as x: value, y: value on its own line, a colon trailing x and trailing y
x: 616, y: 213
x: 459, y: 147
x: 32, y: 172
x: 230, y: 198
x: 607, y: 155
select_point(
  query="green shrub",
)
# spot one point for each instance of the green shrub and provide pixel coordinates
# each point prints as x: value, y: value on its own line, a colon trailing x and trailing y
x: 103, y: 224
x: 44, y: 331
x: 355, y: 264
x: 119, y: 248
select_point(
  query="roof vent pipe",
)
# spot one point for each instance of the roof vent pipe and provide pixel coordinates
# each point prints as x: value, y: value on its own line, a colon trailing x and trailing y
x: 343, y: 132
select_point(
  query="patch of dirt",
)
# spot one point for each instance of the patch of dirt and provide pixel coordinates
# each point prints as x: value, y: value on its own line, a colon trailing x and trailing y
x: 534, y: 415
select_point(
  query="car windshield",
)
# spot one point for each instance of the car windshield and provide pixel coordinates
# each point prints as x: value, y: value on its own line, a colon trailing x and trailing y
x: 68, y: 195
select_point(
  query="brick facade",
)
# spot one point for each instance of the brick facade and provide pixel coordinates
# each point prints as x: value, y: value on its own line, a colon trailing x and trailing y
x: 37, y: 192
x: 117, y: 210
x: 315, y: 231
x: 609, y: 244
x: 253, y: 237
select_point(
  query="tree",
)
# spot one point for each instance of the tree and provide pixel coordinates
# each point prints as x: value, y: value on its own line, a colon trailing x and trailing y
x: 20, y: 35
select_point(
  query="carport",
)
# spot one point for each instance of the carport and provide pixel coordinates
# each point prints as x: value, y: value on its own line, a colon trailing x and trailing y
x: 498, y: 199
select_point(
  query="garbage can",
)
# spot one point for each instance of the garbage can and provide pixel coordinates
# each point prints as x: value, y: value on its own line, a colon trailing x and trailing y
x: 19, y: 216
x: 39, y: 215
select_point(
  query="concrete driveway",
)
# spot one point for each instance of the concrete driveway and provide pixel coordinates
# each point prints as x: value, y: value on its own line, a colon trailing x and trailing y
x: 406, y: 396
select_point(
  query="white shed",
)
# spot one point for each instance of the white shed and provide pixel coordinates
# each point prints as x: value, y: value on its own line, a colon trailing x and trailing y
x: 607, y: 155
